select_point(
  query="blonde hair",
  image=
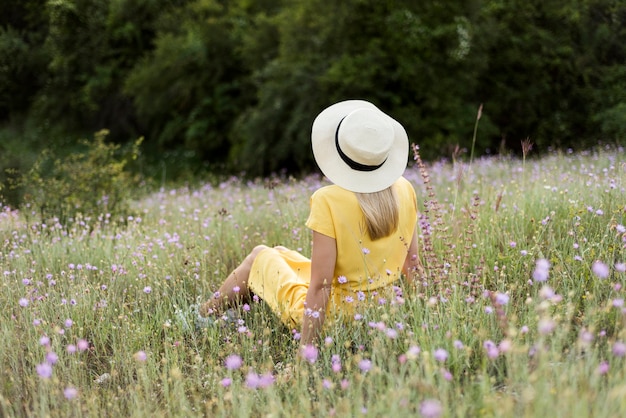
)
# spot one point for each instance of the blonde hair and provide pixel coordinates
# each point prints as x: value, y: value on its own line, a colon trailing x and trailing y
x: 381, y: 212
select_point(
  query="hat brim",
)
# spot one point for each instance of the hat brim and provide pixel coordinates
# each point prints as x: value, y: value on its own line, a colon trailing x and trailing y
x: 337, y: 171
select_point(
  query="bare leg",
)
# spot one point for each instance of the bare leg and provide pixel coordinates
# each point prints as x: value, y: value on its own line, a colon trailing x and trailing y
x: 235, y: 287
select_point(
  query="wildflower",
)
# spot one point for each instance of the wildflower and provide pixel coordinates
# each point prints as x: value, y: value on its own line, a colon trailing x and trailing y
x: 431, y: 408
x: 546, y: 326
x: 600, y: 269
x: 366, y: 251
x: 513, y: 244
x: 505, y: 346
x: 523, y: 253
x: 236, y: 289
x: 51, y: 358
x: 70, y: 393
x: 620, y: 228
x: 502, y: 298
x: 342, y: 279
x: 253, y: 380
x: 621, y: 267
x: 619, y: 349
x: 541, y: 272
x: 413, y: 352
x: 441, y: 355
x: 44, y: 370
x: 233, y: 362
x: 391, y: 333
x: 488, y: 310
x: 365, y: 365
x: 68, y: 323
x: 23, y: 302
x: 603, y: 368
x: 344, y: 384
x: 140, y: 356
x: 546, y: 292
x: 327, y: 384
x: 147, y: 290
x: 71, y: 348
x: 45, y: 340
x: 492, y: 349
x: 328, y: 341
x: 309, y: 353
x: 618, y: 303
x: 226, y: 382
x: 82, y: 345
x: 458, y: 344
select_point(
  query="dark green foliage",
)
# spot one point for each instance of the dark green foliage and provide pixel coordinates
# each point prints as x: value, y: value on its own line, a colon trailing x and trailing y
x: 92, y: 183
x: 234, y: 86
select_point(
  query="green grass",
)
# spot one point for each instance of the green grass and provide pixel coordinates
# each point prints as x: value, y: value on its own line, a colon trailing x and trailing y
x: 120, y: 282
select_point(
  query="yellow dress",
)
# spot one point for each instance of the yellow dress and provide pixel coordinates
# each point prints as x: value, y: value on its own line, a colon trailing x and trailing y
x: 364, y: 272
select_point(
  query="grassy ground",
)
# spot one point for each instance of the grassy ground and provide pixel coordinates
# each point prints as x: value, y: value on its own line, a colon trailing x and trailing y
x: 519, y: 312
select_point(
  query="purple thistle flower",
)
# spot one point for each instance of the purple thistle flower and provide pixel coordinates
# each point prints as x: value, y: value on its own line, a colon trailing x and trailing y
x: 82, y: 345
x: 619, y: 349
x: 431, y: 408
x: 233, y: 362
x: 491, y: 349
x: 44, y: 370
x: 23, y: 302
x: 603, y: 368
x: 502, y: 298
x: 600, y: 269
x: 441, y: 355
x: 140, y: 356
x: 309, y: 353
x: 365, y: 365
x: 52, y: 358
x: 542, y: 269
x: 226, y: 382
x: 253, y: 380
x: 546, y: 326
x: 70, y: 393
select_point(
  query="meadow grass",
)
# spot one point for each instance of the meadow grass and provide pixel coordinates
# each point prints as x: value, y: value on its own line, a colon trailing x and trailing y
x: 519, y: 310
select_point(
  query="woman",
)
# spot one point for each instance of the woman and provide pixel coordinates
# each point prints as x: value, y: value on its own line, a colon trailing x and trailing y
x: 364, y: 227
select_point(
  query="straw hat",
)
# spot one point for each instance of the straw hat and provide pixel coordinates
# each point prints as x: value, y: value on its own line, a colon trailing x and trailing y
x: 358, y: 147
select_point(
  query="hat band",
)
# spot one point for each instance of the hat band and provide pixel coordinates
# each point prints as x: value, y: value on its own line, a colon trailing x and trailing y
x: 351, y: 163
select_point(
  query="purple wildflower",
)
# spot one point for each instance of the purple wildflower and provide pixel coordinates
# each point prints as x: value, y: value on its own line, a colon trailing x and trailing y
x: 44, y: 370
x: 70, y: 393
x: 431, y: 408
x: 600, y: 269
x: 441, y: 355
x: 365, y: 365
x: 619, y: 349
x: 309, y: 353
x: 233, y: 362
x: 542, y: 269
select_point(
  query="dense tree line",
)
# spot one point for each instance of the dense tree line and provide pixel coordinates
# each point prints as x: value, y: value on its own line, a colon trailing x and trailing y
x: 235, y: 84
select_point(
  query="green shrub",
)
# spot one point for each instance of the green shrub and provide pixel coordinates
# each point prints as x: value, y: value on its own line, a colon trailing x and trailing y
x: 88, y: 183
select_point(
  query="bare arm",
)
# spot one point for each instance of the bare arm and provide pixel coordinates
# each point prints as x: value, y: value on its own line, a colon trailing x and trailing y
x: 412, y: 262
x: 323, y: 258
